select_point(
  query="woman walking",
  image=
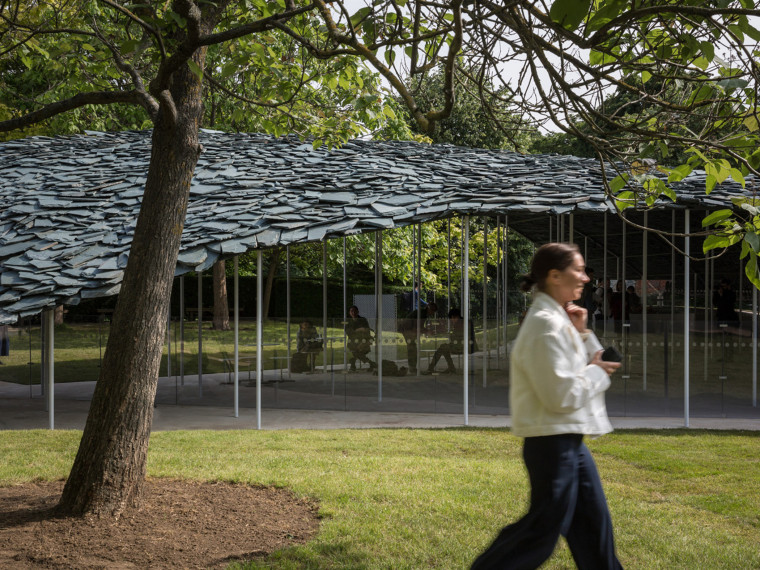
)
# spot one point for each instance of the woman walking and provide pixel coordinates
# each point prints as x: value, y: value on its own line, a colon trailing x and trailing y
x: 558, y: 380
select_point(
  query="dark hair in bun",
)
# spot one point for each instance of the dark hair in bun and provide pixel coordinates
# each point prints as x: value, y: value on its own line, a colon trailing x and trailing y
x: 547, y: 257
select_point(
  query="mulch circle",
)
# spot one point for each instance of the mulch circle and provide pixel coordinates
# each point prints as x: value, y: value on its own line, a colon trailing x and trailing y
x: 181, y: 524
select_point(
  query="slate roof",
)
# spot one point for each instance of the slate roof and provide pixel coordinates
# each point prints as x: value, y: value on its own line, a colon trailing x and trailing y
x: 70, y: 204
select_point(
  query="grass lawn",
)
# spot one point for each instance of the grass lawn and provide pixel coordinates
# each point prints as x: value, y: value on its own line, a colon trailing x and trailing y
x: 434, y: 498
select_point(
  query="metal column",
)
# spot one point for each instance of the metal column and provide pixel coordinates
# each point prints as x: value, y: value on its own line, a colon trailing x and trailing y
x: 466, y: 316
x: 50, y: 364
x: 379, y: 311
x: 259, y: 331
x: 200, y: 333
x: 236, y: 303
x: 182, y: 330
x: 485, y: 302
x: 644, y: 292
x: 287, y: 301
x: 686, y: 339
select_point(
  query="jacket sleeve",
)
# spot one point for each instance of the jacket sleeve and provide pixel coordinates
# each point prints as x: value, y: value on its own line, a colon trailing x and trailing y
x: 561, y: 374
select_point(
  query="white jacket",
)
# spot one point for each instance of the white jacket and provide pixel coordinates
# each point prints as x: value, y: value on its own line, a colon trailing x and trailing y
x: 553, y: 388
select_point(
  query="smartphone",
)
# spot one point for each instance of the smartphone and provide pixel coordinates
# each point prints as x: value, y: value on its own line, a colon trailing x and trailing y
x: 612, y: 354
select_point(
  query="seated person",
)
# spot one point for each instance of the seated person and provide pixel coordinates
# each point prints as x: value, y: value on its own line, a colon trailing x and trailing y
x: 455, y: 344
x: 359, y: 338
x: 308, y: 341
x: 408, y: 328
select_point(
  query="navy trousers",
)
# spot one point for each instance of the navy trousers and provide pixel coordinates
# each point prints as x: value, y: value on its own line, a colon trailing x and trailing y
x: 566, y: 498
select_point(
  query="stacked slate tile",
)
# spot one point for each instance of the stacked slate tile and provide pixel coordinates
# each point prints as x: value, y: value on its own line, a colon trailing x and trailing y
x: 71, y: 203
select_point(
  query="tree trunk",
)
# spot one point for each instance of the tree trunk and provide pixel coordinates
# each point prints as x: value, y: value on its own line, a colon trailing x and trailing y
x: 58, y: 315
x: 110, y: 466
x: 274, y: 262
x: 221, y: 308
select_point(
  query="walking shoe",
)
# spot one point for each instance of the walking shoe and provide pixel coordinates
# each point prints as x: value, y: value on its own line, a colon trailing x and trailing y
x: 428, y: 372
x: 352, y: 368
x: 451, y: 371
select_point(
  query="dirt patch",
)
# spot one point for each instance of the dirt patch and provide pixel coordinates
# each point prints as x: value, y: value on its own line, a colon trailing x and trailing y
x: 182, y: 524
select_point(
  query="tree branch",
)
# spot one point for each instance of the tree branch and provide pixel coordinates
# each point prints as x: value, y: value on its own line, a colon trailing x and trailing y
x: 79, y: 100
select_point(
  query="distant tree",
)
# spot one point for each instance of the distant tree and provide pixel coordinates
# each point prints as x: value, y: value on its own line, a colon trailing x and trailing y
x: 478, y: 118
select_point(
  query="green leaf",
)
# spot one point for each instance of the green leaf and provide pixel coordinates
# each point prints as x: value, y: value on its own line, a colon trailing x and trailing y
x: 624, y: 200
x: 708, y: 50
x: 645, y: 76
x: 750, y: 270
x: 569, y: 13
x: 317, y: 143
x: 710, y: 183
x: 679, y: 173
x: 753, y: 240
x: 228, y: 70
x: 736, y: 174
x: 618, y: 183
x: 751, y: 123
x: 702, y: 63
x: 714, y: 242
x: 745, y: 250
x: 716, y: 217
x: 359, y: 15
x: 195, y: 68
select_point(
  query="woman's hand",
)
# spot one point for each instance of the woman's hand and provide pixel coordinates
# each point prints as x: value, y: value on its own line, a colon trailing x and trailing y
x: 578, y: 316
x: 606, y: 365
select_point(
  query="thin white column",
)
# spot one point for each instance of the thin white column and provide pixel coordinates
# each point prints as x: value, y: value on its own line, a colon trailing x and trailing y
x: 418, y: 281
x: 506, y: 286
x: 50, y: 365
x: 345, y: 308
x: 485, y: 302
x: 200, y: 334
x: 686, y: 338
x: 259, y: 335
x: 645, y: 290
x: 287, y: 300
x: 448, y: 270
x: 169, y: 340
x: 379, y: 311
x: 324, y: 304
x: 754, y: 347
x: 499, y: 329
x: 605, y: 280
x: 182, y: 330
x: 236, y: 309
x: 466, y: 316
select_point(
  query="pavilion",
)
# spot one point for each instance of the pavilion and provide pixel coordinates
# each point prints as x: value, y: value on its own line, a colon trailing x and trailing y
x: 71, y: 205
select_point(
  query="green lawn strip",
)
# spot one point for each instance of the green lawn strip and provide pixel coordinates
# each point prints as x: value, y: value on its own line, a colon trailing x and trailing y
x: 435, y: 498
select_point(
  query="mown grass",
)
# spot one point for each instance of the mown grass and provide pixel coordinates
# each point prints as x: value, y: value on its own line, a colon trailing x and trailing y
x: 434, y: 498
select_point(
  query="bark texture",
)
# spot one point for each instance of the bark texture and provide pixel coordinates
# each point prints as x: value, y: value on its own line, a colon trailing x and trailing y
x: 274, y: 263
x: 110, y: 465
x: 221, y: 308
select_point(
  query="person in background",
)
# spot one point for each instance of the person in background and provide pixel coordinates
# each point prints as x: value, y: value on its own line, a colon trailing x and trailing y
x: 417, y: 300
x: 408, y: 329
x: 724, y: 300
x: 5, y: 341
x: 455, y: 344
x: 558, y: 381
x: 359, y: 338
